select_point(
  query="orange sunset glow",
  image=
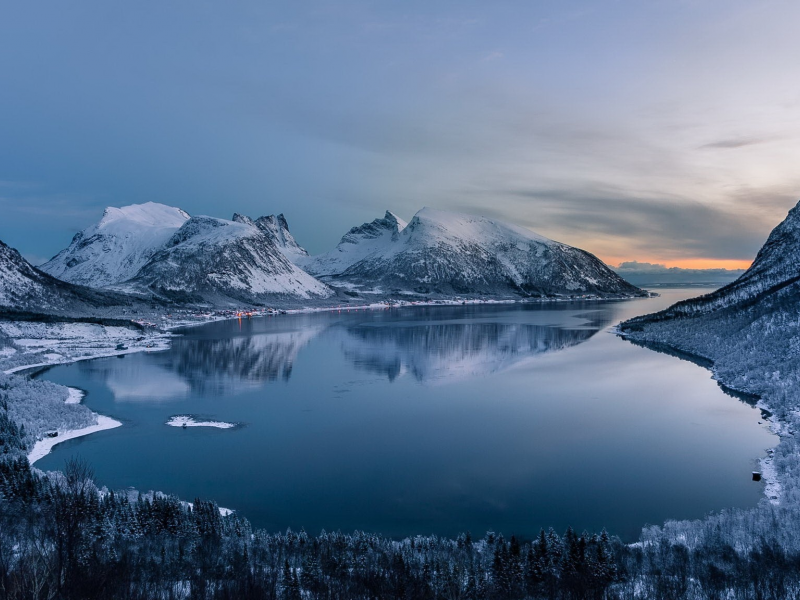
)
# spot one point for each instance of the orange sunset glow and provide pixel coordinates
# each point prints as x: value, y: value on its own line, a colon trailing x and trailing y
x: 687, y: 263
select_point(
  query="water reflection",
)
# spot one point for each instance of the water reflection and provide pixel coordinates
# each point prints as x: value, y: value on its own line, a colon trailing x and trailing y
x: 230, y: 364
x: 435, y: 353
x: 448, y: 345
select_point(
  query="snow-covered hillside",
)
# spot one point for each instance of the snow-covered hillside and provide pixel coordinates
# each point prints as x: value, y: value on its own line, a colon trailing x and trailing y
x: 215, y: 260
x: 114, y: 249
x: 447, y: 253
x: 153, y: 248
x: 24, y: 288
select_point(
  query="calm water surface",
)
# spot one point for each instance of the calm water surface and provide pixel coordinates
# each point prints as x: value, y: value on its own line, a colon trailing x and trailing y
x: 426, y: 420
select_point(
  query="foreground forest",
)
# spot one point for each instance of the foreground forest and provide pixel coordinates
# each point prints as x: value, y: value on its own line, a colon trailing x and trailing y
x: 62, y: 537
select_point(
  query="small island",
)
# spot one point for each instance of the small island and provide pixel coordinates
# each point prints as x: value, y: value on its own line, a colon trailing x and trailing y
x: 190, y: 421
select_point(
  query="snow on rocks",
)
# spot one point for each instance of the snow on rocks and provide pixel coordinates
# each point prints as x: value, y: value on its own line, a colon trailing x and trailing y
x: 75, y: 396
x: 46, y: 344
x: 156, y: 249
x: 190, y: 421
x: 225, y: 261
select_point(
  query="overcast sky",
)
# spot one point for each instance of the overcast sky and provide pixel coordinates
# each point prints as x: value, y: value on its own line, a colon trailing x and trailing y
x: 662, y: 131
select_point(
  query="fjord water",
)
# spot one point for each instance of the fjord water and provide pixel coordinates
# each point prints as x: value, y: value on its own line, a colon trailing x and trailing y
x: 426, y: 420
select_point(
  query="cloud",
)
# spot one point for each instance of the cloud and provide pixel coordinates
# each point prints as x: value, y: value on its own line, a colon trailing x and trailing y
x: 603, y: 219
x: 736, y: 142
x: 645, y: 268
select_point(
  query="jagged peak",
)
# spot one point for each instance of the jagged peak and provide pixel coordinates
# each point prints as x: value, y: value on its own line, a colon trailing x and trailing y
x: 239, y: 218
x: 269, y: 220
x: 393, y: 218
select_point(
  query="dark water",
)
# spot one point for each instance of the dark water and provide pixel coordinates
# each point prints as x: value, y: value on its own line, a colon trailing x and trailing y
x: 426, y: 420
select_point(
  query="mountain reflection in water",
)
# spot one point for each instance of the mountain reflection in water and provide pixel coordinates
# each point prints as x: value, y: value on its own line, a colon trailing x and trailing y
x: 434, y: 352
x: 221, y: 358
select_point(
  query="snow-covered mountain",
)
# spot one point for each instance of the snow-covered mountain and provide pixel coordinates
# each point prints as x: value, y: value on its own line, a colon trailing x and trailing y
x: 114, y: 249
x: 447, y: 253
x: 215, y: 260
x: 153, y: 248
x: 358, y: 244
x: 277, y: 229
x: 24, y: 288
x: 776, y: 267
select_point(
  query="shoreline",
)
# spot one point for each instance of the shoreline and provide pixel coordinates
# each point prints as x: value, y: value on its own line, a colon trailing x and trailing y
x: 772, y: 490
x: 70, y: 361
x: 773, y: 486
x: 44, y: 446
x: 385, y: 305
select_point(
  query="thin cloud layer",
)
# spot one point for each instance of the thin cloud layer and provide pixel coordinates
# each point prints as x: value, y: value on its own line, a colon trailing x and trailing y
x: 657, y: 130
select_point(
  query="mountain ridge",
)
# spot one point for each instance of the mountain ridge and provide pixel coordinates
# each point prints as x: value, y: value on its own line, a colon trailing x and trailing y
x: 211, y: 259
x: 444, y: 253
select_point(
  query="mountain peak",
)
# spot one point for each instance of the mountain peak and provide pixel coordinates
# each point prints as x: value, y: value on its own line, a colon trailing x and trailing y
x: 225, y: 261
x: 116, y: 247
x: 393, y: 218
x: 238, y: 218
x: 150, y: 214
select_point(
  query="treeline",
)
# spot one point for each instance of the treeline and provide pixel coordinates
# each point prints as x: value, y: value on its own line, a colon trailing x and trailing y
x: 61, y: 537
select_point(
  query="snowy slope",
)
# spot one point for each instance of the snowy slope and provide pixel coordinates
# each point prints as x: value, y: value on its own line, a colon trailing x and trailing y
x: 24, y: 288
x: 114, y: 249
x: 216, y: 260
x: 448, y: 253
x: 749, y: 332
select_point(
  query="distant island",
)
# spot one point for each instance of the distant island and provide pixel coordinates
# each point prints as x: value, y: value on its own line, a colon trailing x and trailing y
x: 645, y: 274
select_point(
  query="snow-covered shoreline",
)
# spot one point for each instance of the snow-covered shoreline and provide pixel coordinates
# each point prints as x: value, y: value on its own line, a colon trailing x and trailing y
x: 382, y: 305
x: 75, y: 396
x: 37, y: 345
x: 67, y: 343
x: 43, y: 447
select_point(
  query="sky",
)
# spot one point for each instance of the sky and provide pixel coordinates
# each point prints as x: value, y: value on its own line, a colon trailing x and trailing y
x: 658, y: 131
